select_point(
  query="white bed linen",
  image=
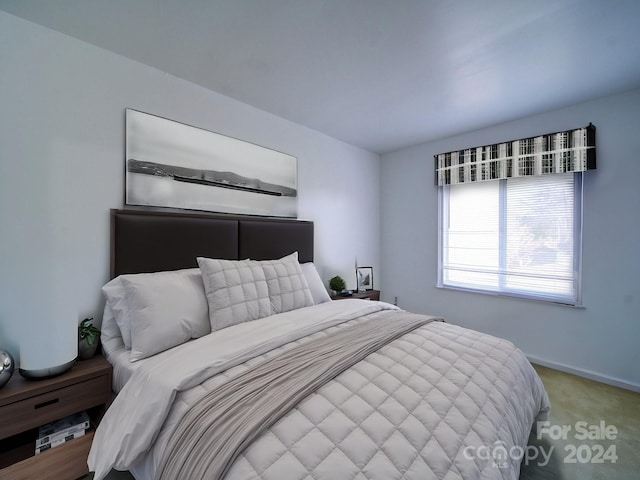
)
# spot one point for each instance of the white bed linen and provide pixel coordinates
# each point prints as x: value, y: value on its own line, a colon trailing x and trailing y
x: 123, y: 368
x: 503, y: 388
x: 134, y: 419
x: 115, y: 351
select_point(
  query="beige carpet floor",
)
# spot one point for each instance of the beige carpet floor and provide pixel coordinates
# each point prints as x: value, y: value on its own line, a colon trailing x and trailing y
x: 578, y: 408
x: 583, y: 407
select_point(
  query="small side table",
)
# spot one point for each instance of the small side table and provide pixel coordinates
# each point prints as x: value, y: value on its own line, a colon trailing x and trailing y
x: 27, y: 404
x: 366, y: 295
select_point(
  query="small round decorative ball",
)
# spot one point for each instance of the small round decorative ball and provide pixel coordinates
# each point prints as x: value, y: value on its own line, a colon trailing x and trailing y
x: 6, y: 367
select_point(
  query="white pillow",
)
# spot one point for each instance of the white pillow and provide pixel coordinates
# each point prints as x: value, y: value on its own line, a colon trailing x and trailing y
x: 318, y: 290
x: 156, y: 311
x: 288, y: 288
x: 115, y: 294
x: 110, y: 335
x: 236, y: 291
x: 166, y: 309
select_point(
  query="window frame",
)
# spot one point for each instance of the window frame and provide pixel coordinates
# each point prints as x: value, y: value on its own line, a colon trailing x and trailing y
x: 576, y: 301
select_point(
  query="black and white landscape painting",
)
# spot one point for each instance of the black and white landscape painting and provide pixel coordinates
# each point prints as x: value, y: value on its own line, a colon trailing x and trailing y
x: 170, y: 164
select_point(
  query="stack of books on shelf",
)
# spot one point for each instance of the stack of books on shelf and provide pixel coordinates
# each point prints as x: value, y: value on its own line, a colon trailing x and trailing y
x: 56, y: 433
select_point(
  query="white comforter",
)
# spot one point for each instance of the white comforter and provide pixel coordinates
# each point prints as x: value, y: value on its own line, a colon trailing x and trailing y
x: 405, y: 412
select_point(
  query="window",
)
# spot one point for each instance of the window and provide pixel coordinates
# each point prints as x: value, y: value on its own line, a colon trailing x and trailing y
x: 515, y: 236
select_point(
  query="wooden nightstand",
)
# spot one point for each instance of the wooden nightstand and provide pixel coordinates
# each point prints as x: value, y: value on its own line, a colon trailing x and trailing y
x: 27, y: 404
x: 366, y: 295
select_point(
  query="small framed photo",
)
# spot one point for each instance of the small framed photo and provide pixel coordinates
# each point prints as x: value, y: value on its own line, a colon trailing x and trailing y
x: 364, y: 275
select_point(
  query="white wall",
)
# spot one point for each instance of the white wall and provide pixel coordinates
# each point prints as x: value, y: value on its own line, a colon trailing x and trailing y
x: 62, y: 136
x: 600, y: 340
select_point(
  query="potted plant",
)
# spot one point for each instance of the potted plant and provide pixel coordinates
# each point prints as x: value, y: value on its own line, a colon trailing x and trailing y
x: 88, y: 339
x: 336, y: 284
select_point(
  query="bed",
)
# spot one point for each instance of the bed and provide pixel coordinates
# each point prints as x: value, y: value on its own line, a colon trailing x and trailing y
x: 231, y: 361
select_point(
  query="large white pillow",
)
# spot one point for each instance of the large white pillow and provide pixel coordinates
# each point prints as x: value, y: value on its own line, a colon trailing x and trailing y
x: 288, y: 288
x: 318, y: 290
x: 166, y: 309
x: 157, y: 311
x: 236, y: 291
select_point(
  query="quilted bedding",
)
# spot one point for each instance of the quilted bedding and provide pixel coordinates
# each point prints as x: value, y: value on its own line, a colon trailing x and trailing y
x: 418, y: 408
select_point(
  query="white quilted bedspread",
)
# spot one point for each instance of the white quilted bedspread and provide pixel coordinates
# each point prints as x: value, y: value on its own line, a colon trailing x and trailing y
x: 405, y: 412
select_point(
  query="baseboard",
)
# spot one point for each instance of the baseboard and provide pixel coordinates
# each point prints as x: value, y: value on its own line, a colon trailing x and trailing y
x: 585, y: 373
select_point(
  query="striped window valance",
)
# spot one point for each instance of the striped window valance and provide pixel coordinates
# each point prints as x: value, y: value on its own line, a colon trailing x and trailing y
x: 562, y: 152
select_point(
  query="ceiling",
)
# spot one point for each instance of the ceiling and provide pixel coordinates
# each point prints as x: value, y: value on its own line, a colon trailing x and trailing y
x: 379, y: 74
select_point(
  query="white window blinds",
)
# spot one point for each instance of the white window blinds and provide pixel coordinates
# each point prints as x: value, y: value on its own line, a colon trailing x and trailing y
x: 519, y: 236
x: 539, y: 233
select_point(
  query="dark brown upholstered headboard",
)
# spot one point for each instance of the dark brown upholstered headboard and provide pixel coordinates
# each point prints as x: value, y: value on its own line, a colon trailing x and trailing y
x: 151, y: 241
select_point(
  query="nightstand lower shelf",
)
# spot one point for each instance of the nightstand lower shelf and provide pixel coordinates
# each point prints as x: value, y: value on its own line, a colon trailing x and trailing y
x: 59, y: 462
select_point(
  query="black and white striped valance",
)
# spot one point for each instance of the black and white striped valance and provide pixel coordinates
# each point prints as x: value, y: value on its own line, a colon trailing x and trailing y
x: 570, y: 151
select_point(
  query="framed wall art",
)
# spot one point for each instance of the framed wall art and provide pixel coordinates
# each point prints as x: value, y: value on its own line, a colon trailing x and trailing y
x: 364, y: 275
x: 170, y: 164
